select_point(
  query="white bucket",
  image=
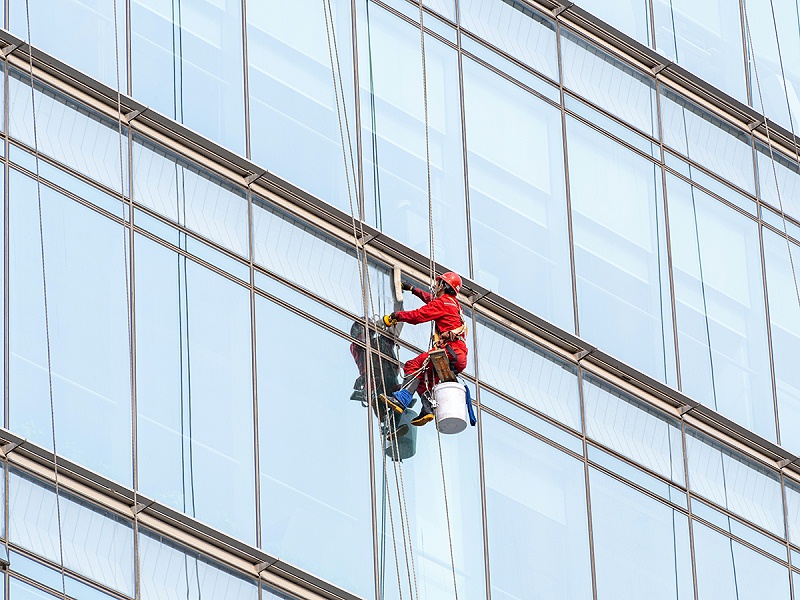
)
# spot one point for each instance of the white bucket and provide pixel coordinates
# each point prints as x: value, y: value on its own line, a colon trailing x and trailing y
x: 451, y: 406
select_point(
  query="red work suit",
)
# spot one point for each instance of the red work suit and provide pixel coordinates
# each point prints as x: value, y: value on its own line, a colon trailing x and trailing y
x: 445, y: 312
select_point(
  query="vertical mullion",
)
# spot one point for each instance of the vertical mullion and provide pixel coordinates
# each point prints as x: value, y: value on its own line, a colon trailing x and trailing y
x: 463, y: 107
x: 246, y: 82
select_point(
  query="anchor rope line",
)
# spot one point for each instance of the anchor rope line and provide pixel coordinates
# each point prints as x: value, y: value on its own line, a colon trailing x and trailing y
x: 432, y: 241
x: 769, y: 138
x: 46, y: 313
x: 357, y: 226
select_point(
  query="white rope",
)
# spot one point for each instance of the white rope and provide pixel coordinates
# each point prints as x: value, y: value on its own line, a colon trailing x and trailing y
x: 432, y: 240
x: 44, y: 297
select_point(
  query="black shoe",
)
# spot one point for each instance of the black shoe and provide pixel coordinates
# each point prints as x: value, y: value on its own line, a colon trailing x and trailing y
x: 424, y: 417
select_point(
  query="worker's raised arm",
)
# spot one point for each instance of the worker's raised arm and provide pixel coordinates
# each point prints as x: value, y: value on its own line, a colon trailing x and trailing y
x: 429, y: 312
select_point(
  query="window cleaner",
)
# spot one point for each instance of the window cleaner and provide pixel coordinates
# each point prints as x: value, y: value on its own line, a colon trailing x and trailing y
x: 448, y: 355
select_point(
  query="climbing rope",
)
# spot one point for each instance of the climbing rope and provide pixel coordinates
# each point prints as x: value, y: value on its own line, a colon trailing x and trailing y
x: 46, y: 313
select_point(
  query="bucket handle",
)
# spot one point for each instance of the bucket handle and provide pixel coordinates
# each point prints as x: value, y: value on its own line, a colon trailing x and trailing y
x: 472, y: 419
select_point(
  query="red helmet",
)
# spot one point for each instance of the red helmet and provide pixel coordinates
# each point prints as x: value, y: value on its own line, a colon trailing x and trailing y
x: 451, y: 279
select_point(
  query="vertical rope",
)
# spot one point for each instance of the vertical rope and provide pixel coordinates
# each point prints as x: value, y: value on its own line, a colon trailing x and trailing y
x: 46, y: 313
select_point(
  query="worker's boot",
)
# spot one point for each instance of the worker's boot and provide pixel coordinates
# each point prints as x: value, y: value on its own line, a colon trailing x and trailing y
x: 402, y: 398
x: 426, y: 414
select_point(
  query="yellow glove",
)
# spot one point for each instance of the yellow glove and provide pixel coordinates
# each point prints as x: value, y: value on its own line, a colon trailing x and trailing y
x: 389, y: 320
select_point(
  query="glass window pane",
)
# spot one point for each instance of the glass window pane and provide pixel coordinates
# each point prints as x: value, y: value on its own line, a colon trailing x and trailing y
x: 793, y: 513
x: 788, y: 183
x: 516, y: 29
x: 66, y: 36
x: 19, y: 590
x: 609, y: 83
x: 313, y: 452
x: 169, y: 570
x: 190, y: 196
x: 187, y: 64
x: 628, y: 426
x: 707, y: 140
x: 67, y: 131
x: 536, y: 517
x: 631, y: 18
x: 784, y: 318
x: 292, y: 94
x: 193, y: 347
x: 720, y: 308
x: 620, y: 252
x: 528, y: 373
x: 780, y: 96
x: 85, y: 258
x: 393, y: 134
x: 96, y: 544
x: 733, y: 482
x: 517, y: 195
x: 727, y: 569
x: 641, y: 546
x: 704, y: 38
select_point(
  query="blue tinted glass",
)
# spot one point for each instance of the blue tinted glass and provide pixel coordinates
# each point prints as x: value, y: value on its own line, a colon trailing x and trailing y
x: 187, y: 64
x: 719, y: 298
x: 707, y: 140
x: 784, y: 318
x: 194, y: 353
x: 628, y: 426
x: 620, y: 252
x: 704, y: 38
x: 531, y: 421
x: 313, y: 451
x: 68, y: 131
x: 609, y: 83
x: 793, y: 514
x: 393, y: 134
x: 779, y: 94
x: 36, y: 571
x: 19, y: 590
x: 528, y: 373
x: 733, y: 482
x: 727, y: 569
x: 631, y: 17
x: 169, y: 570
x: 85, y: 258
x: 517, y: 195
x: 536, y: 517
x: 190, y: 196
x: 641, y: 546
x: 785, y: 192
x: 514, y: 28
x: 82, y: 35
x: 292, y: 95
x: 96, y: 544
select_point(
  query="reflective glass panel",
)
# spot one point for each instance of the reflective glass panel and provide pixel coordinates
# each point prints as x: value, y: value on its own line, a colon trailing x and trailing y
x: 705, y: 139
x: 169, y: 570
x: 628, y: 426
x: 394, y: 138
x: 19, y: 590
x: 779, y: 94
x: 785, y: 192
x: 528, y: 373
x: 67, y: 131
x: 631, y: 17
x: 727, y: 569
x: 82, y: 35
x: 609, y: 83
x: 704, y: 38
x: 514, y: 28
x: 733, y: 482
x: 313, y: 451
x: 293, y: 106
x: 536, y: 517
x: 784, y: 317
x: 719, y: 301
x: 186, y: 58
x: 194, y: 390
x: 793, y: 513
x: 517, y: 195
x: 96, y: 544
x: 620, y: 252
x: 190, y: 196
x: 641, y: 546
x: 85, y: 257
